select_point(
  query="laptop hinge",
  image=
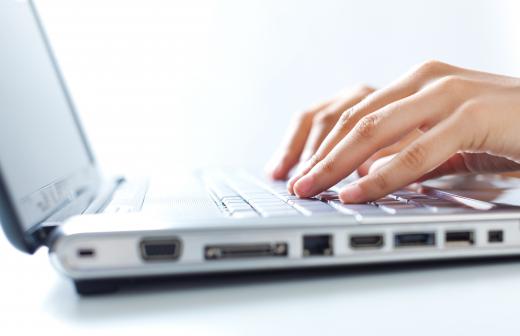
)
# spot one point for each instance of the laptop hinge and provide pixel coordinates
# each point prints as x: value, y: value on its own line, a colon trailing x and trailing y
x: 44, y: 232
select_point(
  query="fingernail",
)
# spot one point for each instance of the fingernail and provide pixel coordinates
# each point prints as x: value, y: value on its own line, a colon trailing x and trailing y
x: 352, y: 193
x: 304, y: 185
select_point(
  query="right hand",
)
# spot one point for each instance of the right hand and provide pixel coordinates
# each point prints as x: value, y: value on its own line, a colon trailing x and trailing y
x: 310, y: 128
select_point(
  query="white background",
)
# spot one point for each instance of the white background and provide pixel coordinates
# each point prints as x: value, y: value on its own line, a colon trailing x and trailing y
x: 167, y: 85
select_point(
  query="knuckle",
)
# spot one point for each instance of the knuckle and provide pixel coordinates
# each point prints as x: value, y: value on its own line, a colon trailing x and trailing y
x: 468, y: 111
x: 364, y: 89
x: 429, y: 68
x: 431, y: 65
x: 366, y: 127
x: 346, y: 117
x: 327, y: 166
x: 414, y: 157
x: 379, y: 181
x: 473, y: 106
x: 395, y: 107
x: 314, y: 159
x: 451, y: 83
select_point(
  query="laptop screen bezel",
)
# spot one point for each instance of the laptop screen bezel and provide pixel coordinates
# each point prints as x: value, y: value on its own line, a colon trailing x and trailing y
x: 30, y: 238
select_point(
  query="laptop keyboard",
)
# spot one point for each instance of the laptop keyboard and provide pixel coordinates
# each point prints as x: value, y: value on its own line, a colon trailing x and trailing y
x: 247, y: 197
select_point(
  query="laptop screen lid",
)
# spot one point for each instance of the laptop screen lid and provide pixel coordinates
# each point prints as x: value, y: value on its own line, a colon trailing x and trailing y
x: 45, y: 162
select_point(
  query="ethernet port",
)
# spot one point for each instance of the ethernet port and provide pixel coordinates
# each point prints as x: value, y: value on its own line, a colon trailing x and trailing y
x: 317, y: 245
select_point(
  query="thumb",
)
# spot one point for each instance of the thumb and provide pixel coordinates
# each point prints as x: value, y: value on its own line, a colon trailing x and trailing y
x: 474, y: 163
x: 454, y: 165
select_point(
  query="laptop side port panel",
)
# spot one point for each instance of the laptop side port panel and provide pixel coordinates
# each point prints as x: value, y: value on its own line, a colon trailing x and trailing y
x: 317, y: 245
x: 160, y: 249
x: 246, y: 250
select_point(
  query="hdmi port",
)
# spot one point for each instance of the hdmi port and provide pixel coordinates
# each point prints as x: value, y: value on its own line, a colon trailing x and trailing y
x: 235, y: 251
x: 366, y: 241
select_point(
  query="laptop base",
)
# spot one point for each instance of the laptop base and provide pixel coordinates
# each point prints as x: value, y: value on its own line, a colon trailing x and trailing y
x: 93, y: 287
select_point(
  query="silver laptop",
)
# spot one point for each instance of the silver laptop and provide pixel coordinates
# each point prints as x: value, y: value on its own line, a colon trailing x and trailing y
x: 101, y: 231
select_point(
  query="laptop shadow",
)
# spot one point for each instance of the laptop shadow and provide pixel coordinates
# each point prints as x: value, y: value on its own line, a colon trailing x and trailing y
x: 172, y: 295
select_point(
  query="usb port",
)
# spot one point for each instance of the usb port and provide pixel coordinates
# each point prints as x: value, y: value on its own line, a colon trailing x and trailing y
x: 420, y: 239
x: 366, y: 241
x: 459, y: 238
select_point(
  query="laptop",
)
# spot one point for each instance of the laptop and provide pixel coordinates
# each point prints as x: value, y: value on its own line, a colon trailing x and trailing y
x: 101, y: 231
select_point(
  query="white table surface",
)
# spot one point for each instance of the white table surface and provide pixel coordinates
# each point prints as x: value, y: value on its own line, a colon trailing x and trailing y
x: 469, y: 299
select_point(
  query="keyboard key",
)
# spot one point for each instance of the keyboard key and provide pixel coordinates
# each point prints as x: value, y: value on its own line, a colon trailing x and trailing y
x: 280, y: 213
x: 441, y: 206
x: 232, y: 198
x: 233, y: 201
x: 400, y: 205
x: 289, y: 197
x: 266, y: 200
x: 358, y: 209
x: 311, y: 204
x: 244, y: 214
x: 263, y: 209
x: 437, y: 202
x: 405, y: 209
x: 223, y: 191
x: 238, y: 207
x: 328, y: 195
x: 321, y: 209
x: 261, y: 197
x: 406, y: 193
x: 389, y: 202
x: 386, y: 199
x: 304, y: 201
x: 252, y: 194
x: 418, y: 196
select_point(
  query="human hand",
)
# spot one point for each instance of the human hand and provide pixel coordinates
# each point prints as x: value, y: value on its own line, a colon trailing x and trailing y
x: 464, y: 121
x: 310, y: 128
